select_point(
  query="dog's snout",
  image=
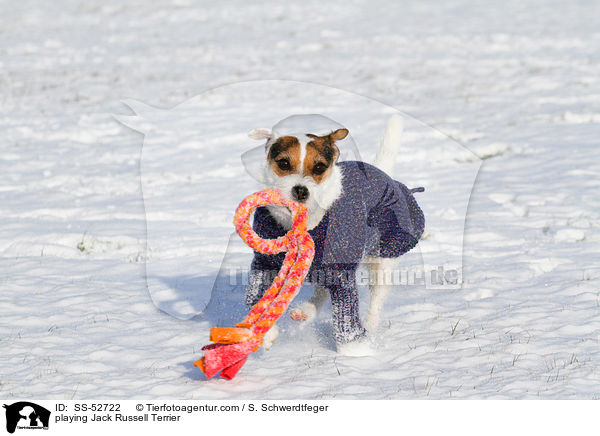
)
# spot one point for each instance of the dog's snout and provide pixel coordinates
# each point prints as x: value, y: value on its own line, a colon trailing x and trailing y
x: 300, y: 193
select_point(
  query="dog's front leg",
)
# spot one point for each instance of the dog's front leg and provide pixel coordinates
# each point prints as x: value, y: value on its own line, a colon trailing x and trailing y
x: 347, y: 328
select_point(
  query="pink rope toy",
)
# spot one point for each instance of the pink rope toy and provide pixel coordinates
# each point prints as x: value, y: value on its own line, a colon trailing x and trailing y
x: 232, y: 346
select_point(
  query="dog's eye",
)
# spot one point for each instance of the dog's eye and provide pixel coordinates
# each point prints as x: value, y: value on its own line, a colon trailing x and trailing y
x: 319, y: 168
x: 283, y: 164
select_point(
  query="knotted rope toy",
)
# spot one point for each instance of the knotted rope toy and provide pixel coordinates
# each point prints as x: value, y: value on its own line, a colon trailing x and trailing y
x: 232, y: 346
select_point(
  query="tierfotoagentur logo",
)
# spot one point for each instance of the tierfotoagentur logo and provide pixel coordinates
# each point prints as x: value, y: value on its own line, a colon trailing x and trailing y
x: 25, y: 415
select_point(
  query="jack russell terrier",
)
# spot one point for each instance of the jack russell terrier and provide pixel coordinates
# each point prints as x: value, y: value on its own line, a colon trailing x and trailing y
x: 356, y: 213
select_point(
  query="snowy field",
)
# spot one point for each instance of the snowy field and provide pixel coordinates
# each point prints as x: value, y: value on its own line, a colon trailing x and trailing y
x: 109, y: 251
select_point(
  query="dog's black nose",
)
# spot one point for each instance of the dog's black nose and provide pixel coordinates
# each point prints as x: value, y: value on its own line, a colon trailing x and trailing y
x: 300, y: 193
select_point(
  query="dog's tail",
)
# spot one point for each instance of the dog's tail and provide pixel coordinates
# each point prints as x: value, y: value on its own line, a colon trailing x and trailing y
x: 386, y: 156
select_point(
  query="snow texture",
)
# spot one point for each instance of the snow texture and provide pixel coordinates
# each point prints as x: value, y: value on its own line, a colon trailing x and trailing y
x: 501, y: 105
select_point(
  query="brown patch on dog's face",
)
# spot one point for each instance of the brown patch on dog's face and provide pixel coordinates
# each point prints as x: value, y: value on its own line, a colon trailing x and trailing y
x: 284, y: 156
x: 321, y: 155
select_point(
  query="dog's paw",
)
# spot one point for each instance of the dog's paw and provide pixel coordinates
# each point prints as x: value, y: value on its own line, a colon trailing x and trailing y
x: 371, y: 322
x: 298, y: 315
x: 305, y: 312
x: 360, y: 348
x: 270, y: 337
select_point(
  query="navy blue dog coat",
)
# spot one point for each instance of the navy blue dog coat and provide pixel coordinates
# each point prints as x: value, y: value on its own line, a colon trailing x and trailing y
x: 375, y: 215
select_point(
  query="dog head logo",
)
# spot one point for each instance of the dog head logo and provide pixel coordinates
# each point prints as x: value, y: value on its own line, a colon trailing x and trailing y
x: 26, y: 415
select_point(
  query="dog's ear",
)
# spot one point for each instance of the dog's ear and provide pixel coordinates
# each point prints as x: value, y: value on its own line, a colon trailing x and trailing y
x: 338, y: 135
x: 260, y: 133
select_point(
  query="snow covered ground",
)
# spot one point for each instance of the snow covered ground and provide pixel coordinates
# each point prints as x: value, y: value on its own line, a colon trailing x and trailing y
x: 516, y: 83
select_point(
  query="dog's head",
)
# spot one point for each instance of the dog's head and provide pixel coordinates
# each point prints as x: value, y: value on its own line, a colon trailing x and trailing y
x: 303, y: 162
x: 301, y: 153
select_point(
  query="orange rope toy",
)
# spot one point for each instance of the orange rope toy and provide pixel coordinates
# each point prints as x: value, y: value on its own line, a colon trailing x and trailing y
x: 233, y: 345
